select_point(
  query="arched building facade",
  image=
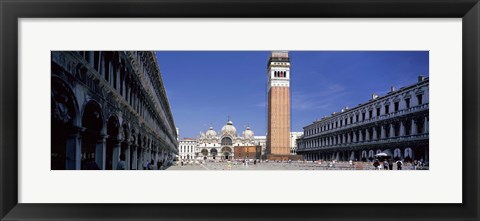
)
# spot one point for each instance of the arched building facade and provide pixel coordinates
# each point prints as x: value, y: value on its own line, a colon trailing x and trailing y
x: 220, y: 146
x: 396, y: 123
x: 108, y: 106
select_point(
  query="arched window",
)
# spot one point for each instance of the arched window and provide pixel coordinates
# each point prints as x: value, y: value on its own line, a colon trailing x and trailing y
x: 226, y: 141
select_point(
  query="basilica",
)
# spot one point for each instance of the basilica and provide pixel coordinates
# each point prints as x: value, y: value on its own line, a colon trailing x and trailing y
x: 223, y: 145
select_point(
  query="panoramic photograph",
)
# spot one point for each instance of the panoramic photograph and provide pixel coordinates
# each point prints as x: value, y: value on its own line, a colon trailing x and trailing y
x: 239, y: 110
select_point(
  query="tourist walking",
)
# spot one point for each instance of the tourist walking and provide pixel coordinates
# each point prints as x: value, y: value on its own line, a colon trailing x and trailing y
x: 399, y: 165
x: 385, y: 165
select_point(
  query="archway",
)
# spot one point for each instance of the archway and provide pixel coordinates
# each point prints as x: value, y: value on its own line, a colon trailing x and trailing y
x: 397, y: 154
x: 226, y: 152
x: 408, y: 154
x: 226, y: 141
x: 214, y: 153
x: 92, y: 142
x: 63, y: 115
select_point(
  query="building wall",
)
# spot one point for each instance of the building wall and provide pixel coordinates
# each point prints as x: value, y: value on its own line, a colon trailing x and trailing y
x: 107, y: 105
x: 279, y: 120
x: 247, y: 152
x: 397, y: 123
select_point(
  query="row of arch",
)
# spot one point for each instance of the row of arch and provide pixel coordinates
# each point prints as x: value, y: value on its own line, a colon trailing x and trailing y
x: 407, y: 154
x: 86, y: 139
x: 281, y: 74
x: 383, y: 107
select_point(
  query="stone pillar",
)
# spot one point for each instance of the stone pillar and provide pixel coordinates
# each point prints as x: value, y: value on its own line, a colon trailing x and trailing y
x: 392, y: 131
x: 343, y: 138
x: 414, y: 127
x: 375, y: 133
x: 134, y: 157
x: 402, y: 129
x: 382, y: 132
x: 73, y: 152
x: 349, y: 139
x: 116, y: 154
x: 360, y: 137
x: 100, y: 151
x: 128, y: 158
x: 425, y: 125
x: 367, y: 135
x: 354, y: 137
x: 140, y: 158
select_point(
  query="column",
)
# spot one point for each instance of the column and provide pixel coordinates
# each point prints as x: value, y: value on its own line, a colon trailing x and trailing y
x: 414, y: 127
x: 100, y: 151
x: 116, y: 153
x: 402, y: 129
x: 375, y: 133
x: 360, y: 137
x: 73, y: 152
x: 354, y: 136
x: 425, y: 125
x: 127, y: 155
x: 367, y: 135
x: 382, y: 132
x: 134, y: 157
x: 343, y: 138
x: 392, y: 131
x: 349, y: 139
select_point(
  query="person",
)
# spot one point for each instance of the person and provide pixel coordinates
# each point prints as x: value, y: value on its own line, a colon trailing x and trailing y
x: 390, y: 164
x: 255, y: 162
x: 121, y: 164
x: 415, y: 164
x: 376, y: 164
x: 399, y: 165
x: 151, y: 165
x: 181, y: 163
x: 385, y: 165
x: 145, y: 166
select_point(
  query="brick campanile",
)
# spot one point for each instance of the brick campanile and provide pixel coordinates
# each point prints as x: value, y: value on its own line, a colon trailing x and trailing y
x: 278, y: 132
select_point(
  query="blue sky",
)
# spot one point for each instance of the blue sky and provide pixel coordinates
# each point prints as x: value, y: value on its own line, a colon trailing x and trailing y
x: 205, y: 87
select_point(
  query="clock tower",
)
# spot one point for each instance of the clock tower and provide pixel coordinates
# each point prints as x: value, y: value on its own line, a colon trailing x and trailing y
x: 278, y: 132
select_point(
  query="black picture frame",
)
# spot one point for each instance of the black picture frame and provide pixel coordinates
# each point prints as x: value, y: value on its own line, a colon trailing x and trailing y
x: 12, y: 10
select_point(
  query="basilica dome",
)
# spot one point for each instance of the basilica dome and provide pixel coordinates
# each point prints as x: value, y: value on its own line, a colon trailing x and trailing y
x: 229, y: 128
x: 248, y: 134
x: 211, y: 133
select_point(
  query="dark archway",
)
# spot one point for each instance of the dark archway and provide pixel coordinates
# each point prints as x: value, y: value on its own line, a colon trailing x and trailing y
x: 63, y: 114
x: 92, y: 121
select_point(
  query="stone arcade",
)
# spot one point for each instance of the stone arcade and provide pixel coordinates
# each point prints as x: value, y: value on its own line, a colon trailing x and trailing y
x: 396, y: 123
x: 107, y: 105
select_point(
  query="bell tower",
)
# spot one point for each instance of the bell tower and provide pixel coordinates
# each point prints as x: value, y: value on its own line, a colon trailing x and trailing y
x: 278, y: 132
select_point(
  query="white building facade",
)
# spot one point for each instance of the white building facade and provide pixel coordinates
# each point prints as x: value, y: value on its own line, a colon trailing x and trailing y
x: 211, y: 145
x: 396, y: 123
x: 186, y: 148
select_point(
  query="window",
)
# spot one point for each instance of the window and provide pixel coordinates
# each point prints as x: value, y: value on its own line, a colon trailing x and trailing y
x: 336, y: 124
x: 370, y: 114
x: 363, y: 116
x: 378, y: 111
x: 396, y: 106
x: 419, y: 98
x: 387, y: 109
x: 346, y: 121
x: 351, y: 120
x: 356, y: 118
x: 407, y: 102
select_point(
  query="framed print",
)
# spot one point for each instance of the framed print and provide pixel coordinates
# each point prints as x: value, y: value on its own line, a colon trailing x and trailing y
x: 230, y: 109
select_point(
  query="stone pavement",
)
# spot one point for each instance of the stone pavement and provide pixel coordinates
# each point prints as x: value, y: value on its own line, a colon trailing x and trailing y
x: 282, y: 166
